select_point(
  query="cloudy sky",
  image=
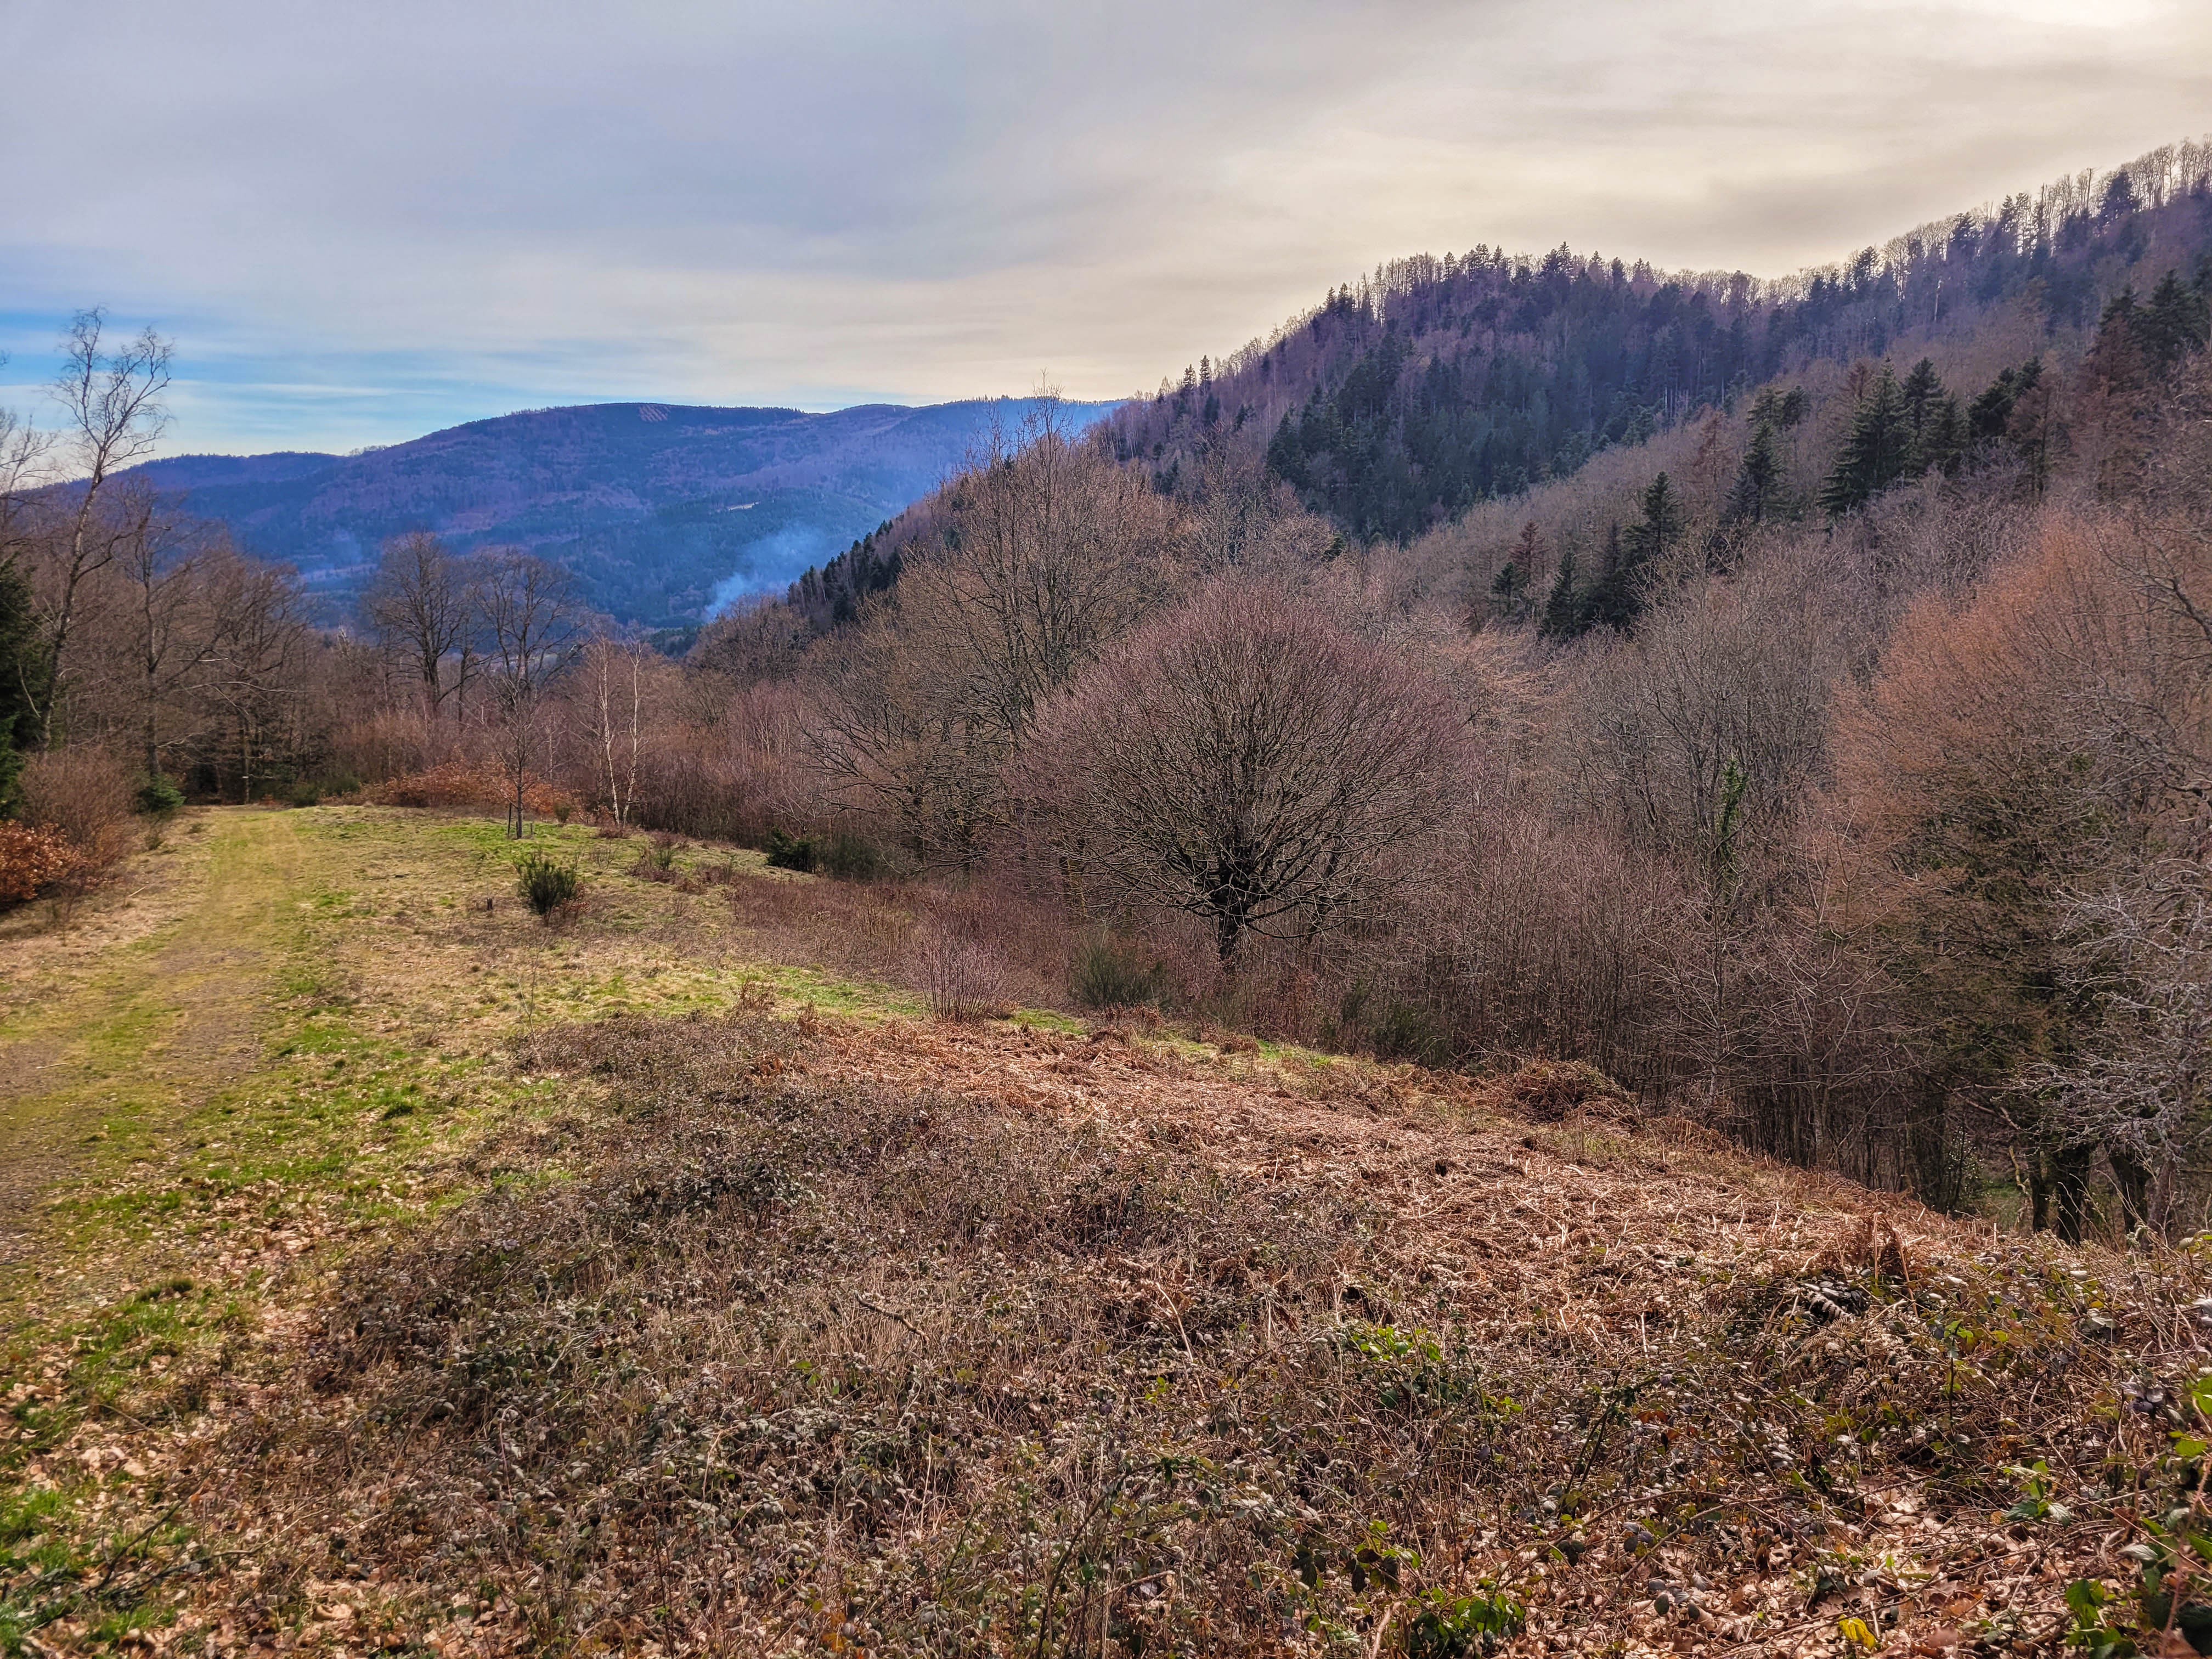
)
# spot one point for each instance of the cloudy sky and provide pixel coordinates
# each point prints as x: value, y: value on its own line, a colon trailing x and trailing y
x: 363, y: 221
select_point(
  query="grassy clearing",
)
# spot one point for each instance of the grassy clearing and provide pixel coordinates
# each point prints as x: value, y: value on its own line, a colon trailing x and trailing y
x: 304, y: 1050
x: 449, y: 1281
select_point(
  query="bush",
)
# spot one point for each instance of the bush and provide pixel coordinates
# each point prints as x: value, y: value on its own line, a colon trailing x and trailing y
x: 850, y: 858
x: 1387, y: 1027
x: 85, y: 797
x: 158, y: 798
x: 788, y: 852
x: 32, y: 861
x: 656, y: 860
x: 547, y: 883
x: 304, y: 794
x: 1110, y: 973
x: 965, y: 979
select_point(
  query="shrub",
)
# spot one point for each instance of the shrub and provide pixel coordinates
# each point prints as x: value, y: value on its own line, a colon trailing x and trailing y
x: 966, y: 979
x: 85, y: 797
x: 547, y: 883
x: 31, y: 862
x: 789, y: 852
x: 304, y: 793
x: 850, y: 857
x: 656, y: 861
x: 1111, y: 973
x: 158, y: 798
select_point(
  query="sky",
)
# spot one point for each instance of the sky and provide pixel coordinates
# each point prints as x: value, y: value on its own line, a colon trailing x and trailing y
x: 361, y: 222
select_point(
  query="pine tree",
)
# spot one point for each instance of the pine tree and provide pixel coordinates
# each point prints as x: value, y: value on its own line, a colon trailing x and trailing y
x: 1877, y: 450
x: 1563, y: 609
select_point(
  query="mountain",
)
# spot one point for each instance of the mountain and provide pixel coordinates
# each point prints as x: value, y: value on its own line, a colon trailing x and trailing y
x: 1439, y: 383
x: 664, y: 512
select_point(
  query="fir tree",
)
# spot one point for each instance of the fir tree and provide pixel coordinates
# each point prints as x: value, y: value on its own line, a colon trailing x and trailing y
x: 1758, y: 481
x: 1941, y: 439
x: 1616, y: 598
x: 1922, y: 391
x: 1876, y: 453
x: 1563, y: 609
x: 2115, y: 362
x: 1509, y: 591
x: 2172, y: 326
x: 1661, y: 528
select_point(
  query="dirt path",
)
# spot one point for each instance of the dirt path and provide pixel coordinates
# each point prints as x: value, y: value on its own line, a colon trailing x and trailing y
x: 142, y: 1024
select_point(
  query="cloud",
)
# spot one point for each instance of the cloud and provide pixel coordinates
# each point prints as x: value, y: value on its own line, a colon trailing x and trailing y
x: 360, y: 222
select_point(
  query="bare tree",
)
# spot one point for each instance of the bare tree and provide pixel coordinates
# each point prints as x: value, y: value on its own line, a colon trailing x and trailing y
x: 529, y: 609
x: 113, y: 416
x: 1247, y: 761
x: 167, y: 631
x: 1045, y: 551
x: 2142, y: 1087
x: 614, y: 713
x: 253, y: 673
x: 419, y: 604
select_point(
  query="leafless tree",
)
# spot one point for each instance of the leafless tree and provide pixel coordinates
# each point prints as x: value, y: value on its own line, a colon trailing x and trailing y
x: 113, y: 416
x: 1247, y: 761
x: 1045, y: 551
x: 253, y: 672
x: 419, y: 605
x: 614, y: 714
x: 167, y: 631
x: 2141, y: 1088
x: 529, y: 611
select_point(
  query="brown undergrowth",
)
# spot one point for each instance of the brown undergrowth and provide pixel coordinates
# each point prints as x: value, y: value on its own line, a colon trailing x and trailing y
x: 972, y: 1340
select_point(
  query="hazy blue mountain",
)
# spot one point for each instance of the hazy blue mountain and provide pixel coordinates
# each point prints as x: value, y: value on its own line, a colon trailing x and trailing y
x: 664, y: 512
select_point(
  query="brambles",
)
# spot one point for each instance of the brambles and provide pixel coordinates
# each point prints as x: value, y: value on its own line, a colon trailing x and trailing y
x: 1447, y: 1627
x: 548, y: 885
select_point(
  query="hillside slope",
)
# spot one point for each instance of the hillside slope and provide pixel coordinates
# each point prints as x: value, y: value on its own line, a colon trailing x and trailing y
x: 664, y: 511
x: 1440, y: 383
x: 642, y: 1284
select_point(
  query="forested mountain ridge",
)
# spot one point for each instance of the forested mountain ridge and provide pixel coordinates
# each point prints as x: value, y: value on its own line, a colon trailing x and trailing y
x: 1425, y: 403
x: 662, y: 511
x: 1437, y: 383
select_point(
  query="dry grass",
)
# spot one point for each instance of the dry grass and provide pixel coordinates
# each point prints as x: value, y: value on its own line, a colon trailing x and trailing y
x: 960, y: 1339
x: 941, y: 1337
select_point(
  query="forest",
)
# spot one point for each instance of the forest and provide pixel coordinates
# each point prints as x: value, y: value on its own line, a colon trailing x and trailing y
x: 1792, y: 699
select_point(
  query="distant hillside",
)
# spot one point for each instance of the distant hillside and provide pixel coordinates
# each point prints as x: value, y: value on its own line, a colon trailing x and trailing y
x: 664, y: 512
x: 1439, y: 383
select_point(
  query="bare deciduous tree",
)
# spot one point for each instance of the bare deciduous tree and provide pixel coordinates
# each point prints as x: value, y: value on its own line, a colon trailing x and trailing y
x: 1046, y: 550
x: 113, y: 416
x: 614, y: 716
x: 419, y: 605
x: 529, y: 609
x: 1246, y: 761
